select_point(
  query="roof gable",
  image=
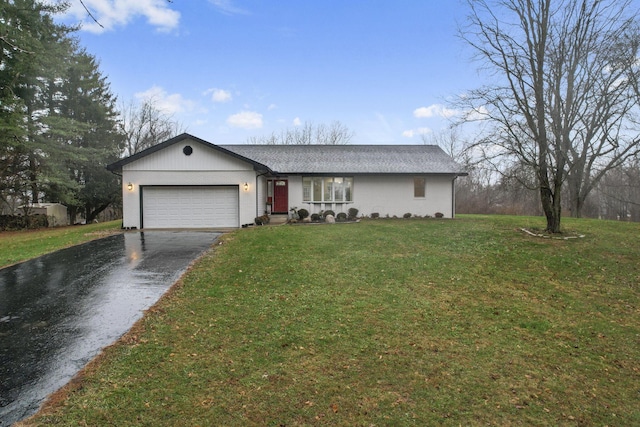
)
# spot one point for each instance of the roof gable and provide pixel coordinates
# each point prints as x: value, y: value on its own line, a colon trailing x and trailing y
x: 117, y: 166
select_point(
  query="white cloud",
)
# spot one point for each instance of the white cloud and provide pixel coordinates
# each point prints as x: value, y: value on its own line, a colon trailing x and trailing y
x: 272, y: 107
x: 480, y: 113
x: 413, y: 132
x: 113, y: 13
x: 165, y: 102
x: 219, y: 95
x: 297, y: 121
x: 245, y: 120
x: 434, y: 110
x: 227, y: 7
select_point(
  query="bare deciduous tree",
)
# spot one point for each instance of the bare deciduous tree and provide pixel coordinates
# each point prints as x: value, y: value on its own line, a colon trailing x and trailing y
x: 449, y: 140
x: 563, y: 102
x: 618, y: 194
x: 334, y: 133
x: 145, y: 125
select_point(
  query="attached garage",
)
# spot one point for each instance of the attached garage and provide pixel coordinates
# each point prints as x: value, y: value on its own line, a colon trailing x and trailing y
x: 190, y: 206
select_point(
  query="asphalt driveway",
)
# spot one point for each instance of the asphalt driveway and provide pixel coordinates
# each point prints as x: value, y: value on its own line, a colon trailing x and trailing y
x: 58, y: 311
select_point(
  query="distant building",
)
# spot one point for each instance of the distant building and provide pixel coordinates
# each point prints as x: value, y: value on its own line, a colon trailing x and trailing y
x: 55, y: 212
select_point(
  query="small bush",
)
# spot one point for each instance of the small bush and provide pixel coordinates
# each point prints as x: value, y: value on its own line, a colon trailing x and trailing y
x: 407, y: 215
x: 375, y: 215
x: 328, y: 212
x: 341, y: 216
x: 21, y: 222
x: 353, y: 213
x: 303, y: 213
x: 315, y: 217
x: 439, y: 215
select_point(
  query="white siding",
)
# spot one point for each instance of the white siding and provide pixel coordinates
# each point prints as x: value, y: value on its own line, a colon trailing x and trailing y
x: 203, y: 158
x: 262, y: 196
x: 387, y: 195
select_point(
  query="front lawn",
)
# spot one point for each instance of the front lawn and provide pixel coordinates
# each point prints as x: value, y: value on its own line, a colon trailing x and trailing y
x: 18, y: 246
x: 385, y: 322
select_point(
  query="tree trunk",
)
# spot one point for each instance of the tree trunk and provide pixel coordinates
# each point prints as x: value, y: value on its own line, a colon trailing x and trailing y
x: 576, y: 207
x: 574, y: 181
x: 72, y: 211
x: 553, y: 225
x: 550, y: 197
x: 93, y: 214
x: 552, y: 210
x: 33, y: 180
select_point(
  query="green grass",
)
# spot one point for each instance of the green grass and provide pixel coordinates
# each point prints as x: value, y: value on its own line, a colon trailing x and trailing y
x: 387, y: 322
x: 18, y: 246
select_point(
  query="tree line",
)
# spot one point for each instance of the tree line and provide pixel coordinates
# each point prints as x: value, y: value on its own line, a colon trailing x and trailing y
x: 60, y: 124
x: 559, y: 121
x: 556, y: 130
x: 483, y: 191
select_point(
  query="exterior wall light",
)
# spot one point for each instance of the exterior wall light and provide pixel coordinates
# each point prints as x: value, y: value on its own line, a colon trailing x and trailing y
x: 246, y: 186
x: 130, y: 186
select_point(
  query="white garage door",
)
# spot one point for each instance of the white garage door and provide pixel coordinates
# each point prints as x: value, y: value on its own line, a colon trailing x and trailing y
x: 189, y: 207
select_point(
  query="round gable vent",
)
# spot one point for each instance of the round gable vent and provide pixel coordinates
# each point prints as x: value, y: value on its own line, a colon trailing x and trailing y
x: 187, y: 150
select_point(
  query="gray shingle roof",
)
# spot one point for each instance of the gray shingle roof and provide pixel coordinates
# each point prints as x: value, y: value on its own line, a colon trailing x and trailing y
x: 350, y: 159
x: 326, y: 159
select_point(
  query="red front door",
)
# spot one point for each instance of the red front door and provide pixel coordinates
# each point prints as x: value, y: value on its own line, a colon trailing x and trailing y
x: 280, y: 196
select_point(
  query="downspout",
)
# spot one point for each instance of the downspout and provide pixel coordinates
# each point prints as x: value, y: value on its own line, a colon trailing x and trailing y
x: 257, y: 195
x: 453, y: 196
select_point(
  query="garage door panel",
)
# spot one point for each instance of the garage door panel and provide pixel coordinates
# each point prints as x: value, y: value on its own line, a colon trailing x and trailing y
x: 190, y: 207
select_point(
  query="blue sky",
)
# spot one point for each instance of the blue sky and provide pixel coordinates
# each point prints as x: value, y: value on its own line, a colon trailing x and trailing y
x: 231, y: 69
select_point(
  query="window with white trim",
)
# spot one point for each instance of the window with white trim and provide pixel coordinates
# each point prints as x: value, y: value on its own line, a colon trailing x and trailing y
x: 320, y: 189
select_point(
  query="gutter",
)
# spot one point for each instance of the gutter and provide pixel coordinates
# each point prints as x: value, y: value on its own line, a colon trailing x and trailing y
x: 257, y: 195
x: 453, y: 197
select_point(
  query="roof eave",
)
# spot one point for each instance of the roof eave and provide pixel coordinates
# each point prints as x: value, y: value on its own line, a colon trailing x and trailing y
x: 325, y: 173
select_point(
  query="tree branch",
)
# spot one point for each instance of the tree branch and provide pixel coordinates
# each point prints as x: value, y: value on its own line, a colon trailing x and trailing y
x: 90, y: 14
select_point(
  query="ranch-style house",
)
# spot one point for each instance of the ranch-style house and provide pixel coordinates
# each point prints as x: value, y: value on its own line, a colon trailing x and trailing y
x: 186, y: 182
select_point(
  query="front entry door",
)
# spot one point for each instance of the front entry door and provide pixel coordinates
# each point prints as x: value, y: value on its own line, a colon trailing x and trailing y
x: 280, y: 196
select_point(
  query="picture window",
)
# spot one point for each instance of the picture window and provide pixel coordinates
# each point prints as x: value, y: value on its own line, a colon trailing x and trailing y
x: 327, y: 189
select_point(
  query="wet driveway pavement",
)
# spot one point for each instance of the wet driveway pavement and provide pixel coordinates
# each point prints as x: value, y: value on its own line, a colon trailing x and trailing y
x: 58, y: 311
